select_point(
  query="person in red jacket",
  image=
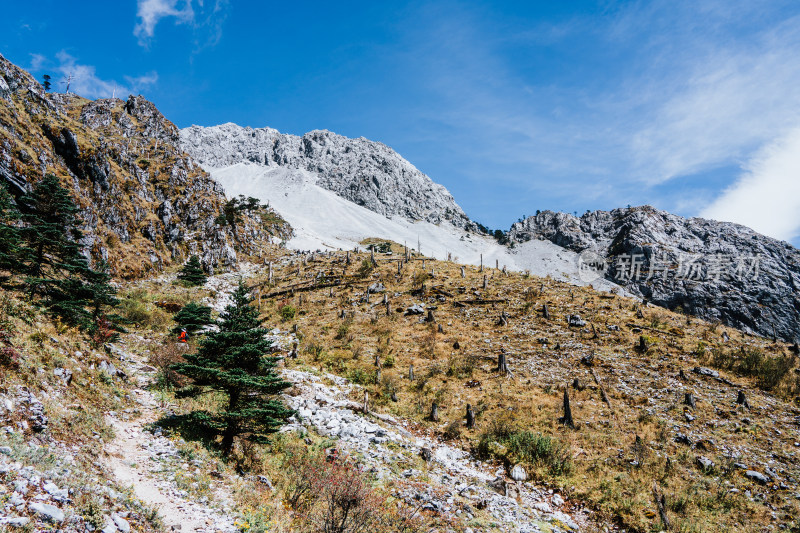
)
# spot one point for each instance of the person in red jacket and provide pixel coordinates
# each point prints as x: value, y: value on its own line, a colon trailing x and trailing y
x: 182, y: 336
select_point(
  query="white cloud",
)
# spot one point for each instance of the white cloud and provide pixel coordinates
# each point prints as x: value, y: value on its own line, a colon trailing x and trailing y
x: 767, y: 196
x: 37, y: 62
x: 205, y: 18
x: 86, y: 82
x: 150, y: 12
x: 719, y: 106
x: 686, y: 89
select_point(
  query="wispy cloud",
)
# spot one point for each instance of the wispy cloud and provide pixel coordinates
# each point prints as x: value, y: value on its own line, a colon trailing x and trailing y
x: 206, y: 20
x: 150, y: 12
x: 767, y: 196
x: 686, y: 88
x: 83, y: 79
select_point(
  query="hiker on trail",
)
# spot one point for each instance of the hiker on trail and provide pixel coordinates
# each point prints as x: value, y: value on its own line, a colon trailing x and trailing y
x: 182, y: 336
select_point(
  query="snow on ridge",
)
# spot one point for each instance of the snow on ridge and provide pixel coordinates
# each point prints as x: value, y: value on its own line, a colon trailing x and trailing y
x: 323, y: 220
x: 365, y: 172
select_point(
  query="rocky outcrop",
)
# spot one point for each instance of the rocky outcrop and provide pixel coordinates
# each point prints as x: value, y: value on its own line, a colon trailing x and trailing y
x: 145, y: 203
x: 365, y: 172
x: 715, y: 270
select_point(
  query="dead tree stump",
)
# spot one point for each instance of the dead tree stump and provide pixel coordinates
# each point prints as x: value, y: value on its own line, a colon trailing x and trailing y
x: 502, y: 365
x: 434, y: 412
x: 411, y: 372
x: 470, y: 417
x: 567, y: 418
x: 545, y: 312
x: 688, y: 399
x: 741, y: 399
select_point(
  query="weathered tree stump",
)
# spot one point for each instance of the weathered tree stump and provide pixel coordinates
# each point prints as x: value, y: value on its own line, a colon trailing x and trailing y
x: 642, y: 347
x: 567, y: 418
x: 463, y: 274
x: 502, y: 366
x: 411, y: 372
x: 741, y: 399
x: 485, y: 282
x: 688, y: 399
x: 470, y: 417
x: 434, y: 416
x: 430, y: 317
x: 439, y: 329
x: 545, y: 312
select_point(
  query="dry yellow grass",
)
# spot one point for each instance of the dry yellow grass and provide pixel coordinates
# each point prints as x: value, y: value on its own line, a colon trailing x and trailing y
x: 644, y: 387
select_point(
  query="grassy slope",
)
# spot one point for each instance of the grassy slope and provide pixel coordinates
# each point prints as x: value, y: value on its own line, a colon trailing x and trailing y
x: 644, y: 387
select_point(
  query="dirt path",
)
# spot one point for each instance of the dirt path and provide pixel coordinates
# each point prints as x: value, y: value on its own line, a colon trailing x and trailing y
x: 137, y: 458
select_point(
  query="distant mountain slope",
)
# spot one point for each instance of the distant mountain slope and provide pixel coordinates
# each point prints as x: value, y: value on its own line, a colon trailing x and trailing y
x: 365, y: 172
x: 715, y: 270
x: 322, y: 219
x: 144, y: 202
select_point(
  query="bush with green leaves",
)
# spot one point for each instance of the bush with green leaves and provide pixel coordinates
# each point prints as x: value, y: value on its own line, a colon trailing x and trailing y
x: 524, y: 446
x: 287, y: 312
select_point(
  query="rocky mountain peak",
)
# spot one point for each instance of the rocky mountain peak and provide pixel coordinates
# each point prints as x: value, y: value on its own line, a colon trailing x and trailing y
x: 144, y: 202
x: 716, y: 270
x: 365, y: 172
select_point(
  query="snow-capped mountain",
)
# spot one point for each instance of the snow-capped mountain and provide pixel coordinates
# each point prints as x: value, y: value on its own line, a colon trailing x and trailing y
x: 367, y: 173
x: 335, y: 192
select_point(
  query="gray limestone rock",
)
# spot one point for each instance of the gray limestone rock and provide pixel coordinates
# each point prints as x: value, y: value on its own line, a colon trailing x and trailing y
x: 365, y: 172
x: 718, y: 271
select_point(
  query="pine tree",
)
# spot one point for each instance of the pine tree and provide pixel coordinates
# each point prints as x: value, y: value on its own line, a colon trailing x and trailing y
x: 50, y: 234
x: 46, y: 82
x: 9, y: 231
x: 192, y: 317
x: 192, y: 272
x: 102, y: 296
x: 50, y: 257
x: 233, y: 361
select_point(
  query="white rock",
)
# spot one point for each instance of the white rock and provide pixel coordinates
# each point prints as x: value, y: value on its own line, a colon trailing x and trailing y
x: 47, y: 511
x: 519, y: 474
x: 121, y: 523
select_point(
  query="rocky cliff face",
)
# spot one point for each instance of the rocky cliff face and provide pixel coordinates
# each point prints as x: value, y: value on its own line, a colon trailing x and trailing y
x: 715, y: 270
x: 367, y: 173
x: 145, y: 203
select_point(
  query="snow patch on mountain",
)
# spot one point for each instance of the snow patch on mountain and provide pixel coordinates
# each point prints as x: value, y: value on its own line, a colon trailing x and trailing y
x: 365, y: 172
x: 323, y: 220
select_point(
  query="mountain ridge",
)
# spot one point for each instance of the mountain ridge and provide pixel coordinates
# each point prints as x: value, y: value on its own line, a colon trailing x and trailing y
x: 368, y: 173
x: 763, y: 300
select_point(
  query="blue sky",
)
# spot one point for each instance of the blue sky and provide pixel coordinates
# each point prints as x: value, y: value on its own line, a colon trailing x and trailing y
x: 693, y: 107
